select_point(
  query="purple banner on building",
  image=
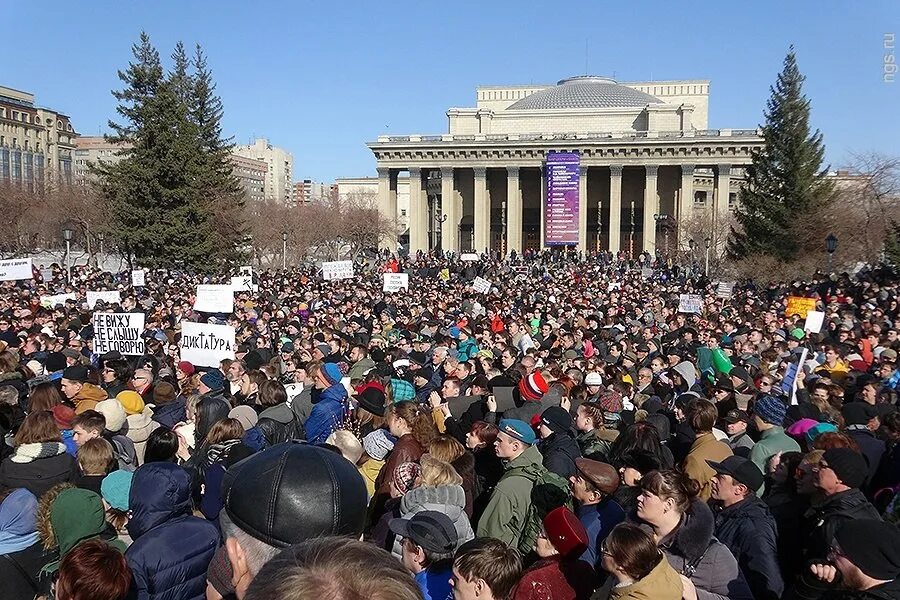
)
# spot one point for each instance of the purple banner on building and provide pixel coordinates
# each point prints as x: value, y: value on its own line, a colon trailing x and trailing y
x: 562, y: 202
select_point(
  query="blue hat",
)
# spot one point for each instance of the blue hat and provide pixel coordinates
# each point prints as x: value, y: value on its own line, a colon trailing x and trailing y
x: 332, y: 373
x: 770, y: 409
x: 213, y: 379
x: 115, y: 488
x: 402, y: 391
x: 816, y: 430
x: 519, y: 430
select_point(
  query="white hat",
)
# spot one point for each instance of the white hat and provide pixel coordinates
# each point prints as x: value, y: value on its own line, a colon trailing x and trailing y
x: 593, y: 378
x: 114, y: 413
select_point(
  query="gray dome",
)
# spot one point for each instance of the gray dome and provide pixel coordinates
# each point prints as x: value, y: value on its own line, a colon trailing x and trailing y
x: 585, y: 92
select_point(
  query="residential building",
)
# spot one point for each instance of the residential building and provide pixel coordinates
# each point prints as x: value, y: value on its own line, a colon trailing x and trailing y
x: 252, y: 175
x: 311, y: 191
x: 93, y: 150
x: 279, y: 182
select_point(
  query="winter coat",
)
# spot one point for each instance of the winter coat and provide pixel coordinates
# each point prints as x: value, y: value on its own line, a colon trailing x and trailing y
x: 15, y: 380
x: 598, y: 520
x: 170, y: 414
x: 787, y: 508
x: 693, y: 552
x: 771, y: 442
x: 406, y: 449
x: 327, y: 414
x: 447, y: 499
x: 465, y: 466
x: 301, y: 403
x: 138, y: 429
x: 592, y: 446
x: 662, y: 583
x: 750, y: 532
x: 506, y: 514
x: 488, y: 471
x: 872, y: 448
x: 467, y: 350
x: 704, y: 448
x: 824, y: 519
x: 360, y: 368
x: 172, y: 549
x: 38, y: 467
x: 556, y: 579
x: 279, y: 424
x: 19, y: 571
x: 560, y: 451
x: 88, y: 397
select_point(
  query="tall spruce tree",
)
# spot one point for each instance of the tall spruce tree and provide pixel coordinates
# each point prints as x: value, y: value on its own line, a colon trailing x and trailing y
x: 786, y: 180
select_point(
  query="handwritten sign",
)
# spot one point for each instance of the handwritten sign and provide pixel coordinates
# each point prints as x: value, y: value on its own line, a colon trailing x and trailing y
x: 690, y: 303
x: 481, y: 285
x: 109, y: 297
x: 444, y: 275
x: 206, y: 345
x: 119, y: 331
x: 137, y: 278
x: 214, y: 299
x: 15, y: 269
x: 56, y: 300
x: 725, y: 289
x: 337, y: 269
x: 394, y: 282
x: 798, y: 305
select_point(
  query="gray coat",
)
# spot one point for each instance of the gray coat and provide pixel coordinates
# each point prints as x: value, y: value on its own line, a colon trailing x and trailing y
x: 447, y: 499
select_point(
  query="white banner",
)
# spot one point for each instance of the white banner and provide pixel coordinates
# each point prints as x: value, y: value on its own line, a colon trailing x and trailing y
x: 206, y: 345
x: 690, y: 303
x: 137, y: 278
x: 119, y: 331
x: 52, y: 301
x: 241, y: 283
x: 814, y: 321
x: 214, y: 299
x: 338, y: 269
x: 469, y: 257
x: 394, y: 282
x: 110, y: 297
x: 481, y: 285
x: 16, y: 269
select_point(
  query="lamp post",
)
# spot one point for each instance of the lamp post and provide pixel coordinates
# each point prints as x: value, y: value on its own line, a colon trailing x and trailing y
x: 100, y: 238
x: 502, y: 229
x: 664, y: 219
x: 68, y: 234
x: 284, y: 237
x: 599, y: 227
x: 631, y: 236
x: 830, y: 246
x: 708, y: 243
x: 439, y: 220
x: 691, y: 245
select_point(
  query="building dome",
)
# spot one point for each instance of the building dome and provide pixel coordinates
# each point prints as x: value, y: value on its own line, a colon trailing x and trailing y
x: 585, y: 92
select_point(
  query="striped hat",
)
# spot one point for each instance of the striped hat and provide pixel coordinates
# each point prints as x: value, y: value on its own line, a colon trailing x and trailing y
x: 533, y: 387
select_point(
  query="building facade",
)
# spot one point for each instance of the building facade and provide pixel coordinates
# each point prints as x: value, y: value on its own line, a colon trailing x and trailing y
x: 308, y: 190
x: 252, y: 175
x: 279, y: 183
x: 36, y: 144
x: 94, y: 150
x: 644, y: 164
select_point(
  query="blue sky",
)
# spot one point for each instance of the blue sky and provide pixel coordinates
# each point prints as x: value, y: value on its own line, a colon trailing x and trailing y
x: 321, y: 79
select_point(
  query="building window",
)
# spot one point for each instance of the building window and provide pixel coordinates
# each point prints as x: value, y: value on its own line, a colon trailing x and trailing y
x: 700, y: 197
x: 732, y: 199
x: 59, y: 124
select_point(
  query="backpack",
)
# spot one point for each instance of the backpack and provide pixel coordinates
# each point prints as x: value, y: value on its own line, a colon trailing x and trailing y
x: 548, y: 491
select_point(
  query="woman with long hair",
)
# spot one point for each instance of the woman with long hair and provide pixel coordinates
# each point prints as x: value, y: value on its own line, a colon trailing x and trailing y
x: 44, y: 396
x: 40, y: 460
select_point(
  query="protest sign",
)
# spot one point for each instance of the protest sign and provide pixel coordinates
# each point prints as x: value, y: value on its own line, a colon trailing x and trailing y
x: 53, y: 301
x: 137, y: 278
x: 469, y: 257
x: 241, y: 283
x: 214, y: 299
x: 119, y: 331
x: 814, y: 321
x: 725, y: 289
x: 789, y: 382
x: 797, y: 305
x: 338, y: 269
x: 206, y: 345
x: 15, y: 269
x: 646, y: 273
x: 47, y: 275
x: 481, y: 285
x: 394, y: 282
x: 690, y: 303
x: 109, y: 297
x: 444, y: 275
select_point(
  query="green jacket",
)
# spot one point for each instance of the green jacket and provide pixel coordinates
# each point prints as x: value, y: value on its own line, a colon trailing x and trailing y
x: 771, y: 442
x: 506, y: 515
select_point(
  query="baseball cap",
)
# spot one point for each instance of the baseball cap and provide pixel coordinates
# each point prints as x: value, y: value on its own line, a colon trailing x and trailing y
x: 736, y: 415
x: 741, y: 469
x: 432, y: 530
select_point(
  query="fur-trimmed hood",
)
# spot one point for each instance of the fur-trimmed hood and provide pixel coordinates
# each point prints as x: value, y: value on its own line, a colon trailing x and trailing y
x: 693, y: 535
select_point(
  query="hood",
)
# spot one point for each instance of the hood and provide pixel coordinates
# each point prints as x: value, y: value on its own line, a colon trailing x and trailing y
x: 694, y: 534
x: 530, y: 458
x: 447, y: 499
x: 140, y: 426
x: 159, y: 492
x: 10, y: 377
x: 336, y: 393
x: 688, y: 373
x: 280, y: 413
x: 76, y: 515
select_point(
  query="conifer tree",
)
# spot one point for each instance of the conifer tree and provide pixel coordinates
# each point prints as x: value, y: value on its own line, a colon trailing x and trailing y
x: 786, y: 180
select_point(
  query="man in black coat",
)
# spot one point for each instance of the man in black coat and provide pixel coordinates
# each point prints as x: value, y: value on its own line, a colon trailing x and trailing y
x: 558, y: 447
x: 861, y: 419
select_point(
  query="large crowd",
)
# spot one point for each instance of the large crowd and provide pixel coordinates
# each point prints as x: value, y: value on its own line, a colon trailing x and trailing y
x: 566, y: 434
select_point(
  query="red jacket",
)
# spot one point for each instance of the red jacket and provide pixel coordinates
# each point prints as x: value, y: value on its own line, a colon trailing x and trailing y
x: 556, y: 579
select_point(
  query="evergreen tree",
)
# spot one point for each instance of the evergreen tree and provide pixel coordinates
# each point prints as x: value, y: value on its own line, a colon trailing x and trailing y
x: 786, y: 180
x: 892, y: 244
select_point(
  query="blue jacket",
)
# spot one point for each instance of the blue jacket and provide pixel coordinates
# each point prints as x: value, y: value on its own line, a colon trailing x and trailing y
x: 327, y: 414
x: 170, y: 414
x: 467, y: 350
x: 598, y: 519
x: 172, y: 549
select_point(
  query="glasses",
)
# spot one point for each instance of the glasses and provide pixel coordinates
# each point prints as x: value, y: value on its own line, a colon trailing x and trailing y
x: 765, y: 384
x: 604, y: 549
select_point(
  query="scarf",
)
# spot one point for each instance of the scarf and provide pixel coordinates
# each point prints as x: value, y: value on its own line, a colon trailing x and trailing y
x: 218, y: 452
x: 18, y: 521
x: 26, y: 453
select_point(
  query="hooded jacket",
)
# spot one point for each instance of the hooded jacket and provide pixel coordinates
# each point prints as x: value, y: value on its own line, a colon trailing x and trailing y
x: 171, y: 413
x: 171, y: 549
x: 326, y: 414
x: 447, y: 499
x: 360, y: 368
x: 560, y: 451
x: 704, y: 448
x: 662, y: 583
x: 88, y: 397
x: 750, y: 532
x: 279, y: 424
x: 138, y: 429
x: 505, y: 517
x: 824, y: 519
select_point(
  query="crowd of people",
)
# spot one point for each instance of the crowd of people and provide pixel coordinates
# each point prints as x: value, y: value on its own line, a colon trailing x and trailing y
x: 566, y: 434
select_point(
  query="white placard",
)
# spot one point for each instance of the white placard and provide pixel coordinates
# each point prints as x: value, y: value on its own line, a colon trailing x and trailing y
x: 52, y: 301
x: 646, y: 273
x: 110, y: 297
x: 690, y: 303
x: 241, y: 283
x: 481, y: 285
x: 206, y: 345
x: 394, y: 282
x: 15, y: 269
x: 814, y: 320
x: 214, y: 299
x: 338, y: 269
x: 725, y: 289
x: 119, y: 331
x: 469, y: 257
x: 137, y: 278
x: 47, y: 275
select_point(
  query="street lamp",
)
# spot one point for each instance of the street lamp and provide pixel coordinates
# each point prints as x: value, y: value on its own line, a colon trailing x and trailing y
x: 100, y: 238
x: 439, y: 220
x: 664, y: 219
x: 502, y: 229
x: 284, y: 236
x: 830, y: 246
x: 708, y: 243
x: 68, y: 234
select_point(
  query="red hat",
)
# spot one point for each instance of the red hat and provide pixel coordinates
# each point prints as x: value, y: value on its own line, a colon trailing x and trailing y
x: 565, y: 532
x: 63, y: 415
x: 186, y: 368
x: 533, y: 387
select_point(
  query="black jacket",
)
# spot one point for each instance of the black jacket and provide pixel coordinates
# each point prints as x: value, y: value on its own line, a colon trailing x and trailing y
x: 872, y: 448
x: 279, y: 424
x: 39, y: 475
x: 19, y: 571
x: 823, y: 520
x: 749, y: 531
x: 170, y: 414
x: 560, y: 451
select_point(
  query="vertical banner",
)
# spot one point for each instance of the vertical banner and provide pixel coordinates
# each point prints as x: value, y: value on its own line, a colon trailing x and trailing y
x: 562, y: 203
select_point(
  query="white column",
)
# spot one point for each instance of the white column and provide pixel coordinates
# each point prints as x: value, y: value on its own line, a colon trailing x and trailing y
x: 615, y: 207
x: 450, y: 227
x: 482, y: 216
x: 651, y: 207
x: 720, y: 206
x: 685, y: 203
x: 582, y: 207
x: 417, y: 233
x: 514, y: 211
x: 387, y: 203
